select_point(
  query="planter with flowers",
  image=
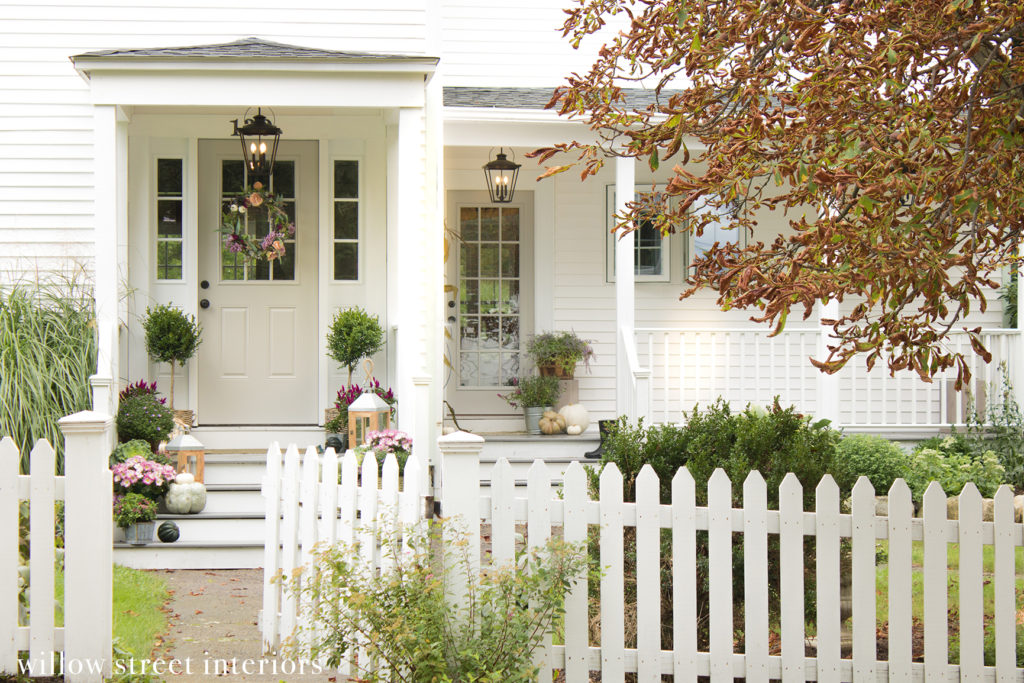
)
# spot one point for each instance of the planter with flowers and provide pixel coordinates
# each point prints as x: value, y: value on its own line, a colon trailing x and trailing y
x: 135, y: 513
x: 535, y: 395
x: 557, y: 353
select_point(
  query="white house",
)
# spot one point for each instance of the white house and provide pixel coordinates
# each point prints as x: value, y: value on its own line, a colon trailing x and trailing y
x: 116, y: 150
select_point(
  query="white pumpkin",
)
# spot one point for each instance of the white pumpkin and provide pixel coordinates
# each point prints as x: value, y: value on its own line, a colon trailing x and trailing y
x: 574, y: 430
x: 186, y: 496
x: 575, y: 414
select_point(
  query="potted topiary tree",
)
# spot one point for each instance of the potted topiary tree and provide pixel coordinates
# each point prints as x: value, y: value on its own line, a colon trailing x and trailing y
x: 171, y: 337
x: 354, y: 334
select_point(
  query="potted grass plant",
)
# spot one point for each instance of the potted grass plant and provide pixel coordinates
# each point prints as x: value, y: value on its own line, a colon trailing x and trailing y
x: 172, y: 337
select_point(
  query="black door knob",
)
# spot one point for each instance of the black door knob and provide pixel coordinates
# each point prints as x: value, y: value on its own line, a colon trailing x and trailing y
x: 205, y: 284
x: 204, y: 304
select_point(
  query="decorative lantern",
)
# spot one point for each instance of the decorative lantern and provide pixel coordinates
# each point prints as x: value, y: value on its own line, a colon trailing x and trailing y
x: 259, y: 137
x: 189, y: 454
x: 501, y: 175
x: 366, y: 414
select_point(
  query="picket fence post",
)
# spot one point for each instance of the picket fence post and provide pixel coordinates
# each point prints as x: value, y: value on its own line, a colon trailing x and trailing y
x: 88, y: 545
x: 460, y: 495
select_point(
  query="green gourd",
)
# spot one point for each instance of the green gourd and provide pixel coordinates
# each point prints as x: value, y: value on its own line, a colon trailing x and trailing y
x: 168, y: 532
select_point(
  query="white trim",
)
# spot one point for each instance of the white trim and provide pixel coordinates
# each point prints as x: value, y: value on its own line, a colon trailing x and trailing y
x: 323, y: 311
x: 190, y: 259
x: 91, y: 67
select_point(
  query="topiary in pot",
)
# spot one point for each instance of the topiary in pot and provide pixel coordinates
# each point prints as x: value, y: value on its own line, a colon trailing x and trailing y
x: 354, y: 334
x: 171, y: 337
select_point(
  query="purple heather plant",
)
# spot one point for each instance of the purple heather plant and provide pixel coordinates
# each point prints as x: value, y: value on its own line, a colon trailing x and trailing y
x: 140, y: 388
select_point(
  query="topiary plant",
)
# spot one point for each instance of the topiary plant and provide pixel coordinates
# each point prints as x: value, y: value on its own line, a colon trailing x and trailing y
x: 354, y: 334
x: 171, y: 337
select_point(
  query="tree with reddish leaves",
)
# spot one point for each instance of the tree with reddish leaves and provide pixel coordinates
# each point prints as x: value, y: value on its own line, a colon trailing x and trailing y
x: 890, y: 133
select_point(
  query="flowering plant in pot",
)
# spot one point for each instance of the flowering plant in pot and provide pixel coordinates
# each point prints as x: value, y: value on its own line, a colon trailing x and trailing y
x: 384, y: 441
x: 534, y: 395
x: 147, y: 478
x: 557, y: 353
x: 135, y: 513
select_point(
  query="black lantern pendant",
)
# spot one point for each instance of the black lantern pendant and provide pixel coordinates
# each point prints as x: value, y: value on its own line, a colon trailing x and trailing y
x: 501, y: 175
x: 259, y: 138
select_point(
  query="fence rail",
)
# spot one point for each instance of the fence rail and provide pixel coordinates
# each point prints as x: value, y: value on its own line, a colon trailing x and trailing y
x: 693, y: 367
x: 30, y: 641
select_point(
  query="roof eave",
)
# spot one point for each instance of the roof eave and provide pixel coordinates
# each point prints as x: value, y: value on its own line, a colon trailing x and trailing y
x: 86, y: 65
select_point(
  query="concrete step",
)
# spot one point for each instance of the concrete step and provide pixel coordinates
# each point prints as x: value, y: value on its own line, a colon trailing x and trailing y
x: 216, y: 527
x: 190, y: 555
x: 230, y: 498
x: 234, y: 468
x: 258, y: 437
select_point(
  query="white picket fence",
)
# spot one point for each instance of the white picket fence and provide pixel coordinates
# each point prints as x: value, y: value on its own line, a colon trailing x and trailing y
x: 307, y: 504
x: 87, y: 491
x: 331, y: 511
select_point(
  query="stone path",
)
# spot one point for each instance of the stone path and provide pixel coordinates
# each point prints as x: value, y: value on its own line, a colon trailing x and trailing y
x: 213, y: 634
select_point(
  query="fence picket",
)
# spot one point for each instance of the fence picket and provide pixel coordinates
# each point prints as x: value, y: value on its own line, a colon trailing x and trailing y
x: 576, y: 609
x: 503, y: 523
x: 972, y: 625
x: 791, y: 574
x: 1004, y: 619
x: 720, y: 576
x: 9, y: 459
x: 289, y: 535
x: 410, y: 504
x: 271, y: 490
x: 901, y: 509
x: 388, y: 512
x: 538, y: 532
x: 648, y: 576
x: 41, y: 552
x: 935, y: 576
x: 864, y: 608
x: 349, y: 499
x: 308, y: 524
x: 612, y: 591
x: 755, y: 577
x: 366, y: 534
x: 826, y: 508
x: 684, y: 577
x: 328, y: 532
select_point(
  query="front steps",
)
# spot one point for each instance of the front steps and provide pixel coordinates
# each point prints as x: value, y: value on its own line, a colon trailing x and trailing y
x: 229, y: 532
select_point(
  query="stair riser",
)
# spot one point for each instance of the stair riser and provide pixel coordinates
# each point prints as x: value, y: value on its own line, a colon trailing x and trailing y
x: 250, y: 473
x: 166, y: 556
x: 223, y: 502
x: 197, y: 529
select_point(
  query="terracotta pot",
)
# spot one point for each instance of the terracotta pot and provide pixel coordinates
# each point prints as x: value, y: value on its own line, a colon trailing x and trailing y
x: 553, y: 370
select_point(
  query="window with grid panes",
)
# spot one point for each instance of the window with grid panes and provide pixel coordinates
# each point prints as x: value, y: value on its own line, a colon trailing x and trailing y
x: 169, y: 211
x: 345, y: 241
x: 489, y: 312
x: 282, y: 183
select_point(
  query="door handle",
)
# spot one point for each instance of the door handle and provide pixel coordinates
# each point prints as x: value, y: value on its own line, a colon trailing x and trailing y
x: 204, y: 304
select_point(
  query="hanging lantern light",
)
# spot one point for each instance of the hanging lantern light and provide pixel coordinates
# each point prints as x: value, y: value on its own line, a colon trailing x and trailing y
x: 259, y: 137
x: 501, y: 175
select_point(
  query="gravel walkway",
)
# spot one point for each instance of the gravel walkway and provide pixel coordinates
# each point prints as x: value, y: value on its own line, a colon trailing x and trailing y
x: 213, y: 634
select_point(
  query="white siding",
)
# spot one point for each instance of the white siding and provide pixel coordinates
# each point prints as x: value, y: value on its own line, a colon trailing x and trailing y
x: 46, y: 125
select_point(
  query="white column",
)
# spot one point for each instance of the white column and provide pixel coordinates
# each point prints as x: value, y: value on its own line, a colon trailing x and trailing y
x: 105, y: 144
x: 828, y: 385
x: 1016, y: 364
x: 625, y: 281
x: 88, y: 541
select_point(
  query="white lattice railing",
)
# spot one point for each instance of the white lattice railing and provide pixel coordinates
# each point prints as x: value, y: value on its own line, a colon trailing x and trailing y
x: 694, y: 367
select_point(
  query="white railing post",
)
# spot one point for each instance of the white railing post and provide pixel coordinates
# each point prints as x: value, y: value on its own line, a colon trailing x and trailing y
x: 625, y: 278
x: 88, y: 544
x: 642, y: 400
x: 460, y: 494
x: 828, y: 385
x: 1015, y: 366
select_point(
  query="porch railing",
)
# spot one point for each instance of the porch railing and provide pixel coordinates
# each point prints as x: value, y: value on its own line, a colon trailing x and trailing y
x: 695, y: 366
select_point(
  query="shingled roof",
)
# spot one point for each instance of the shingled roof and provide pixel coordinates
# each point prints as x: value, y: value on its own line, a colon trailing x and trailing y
x: 251, y: 49
x: 530, y: 98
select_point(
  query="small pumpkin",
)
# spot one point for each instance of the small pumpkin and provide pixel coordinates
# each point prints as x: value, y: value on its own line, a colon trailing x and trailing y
x: 575, y: 414
x: 185, y: 496
x: 552, y: 423
x: 573, y: 430
x: 168, y: 532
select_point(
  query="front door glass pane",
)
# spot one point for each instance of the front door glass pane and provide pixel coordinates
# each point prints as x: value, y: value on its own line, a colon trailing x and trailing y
x: 489, y: 314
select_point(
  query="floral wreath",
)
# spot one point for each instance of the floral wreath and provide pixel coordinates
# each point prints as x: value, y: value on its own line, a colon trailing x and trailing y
x: 252, y: 247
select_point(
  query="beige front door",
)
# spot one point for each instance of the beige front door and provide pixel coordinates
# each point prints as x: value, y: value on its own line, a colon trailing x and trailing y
x: 490, y: 310
x: 258, y: 360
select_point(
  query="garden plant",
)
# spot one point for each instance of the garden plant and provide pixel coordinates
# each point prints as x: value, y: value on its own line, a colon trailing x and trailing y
x: 171, y: 337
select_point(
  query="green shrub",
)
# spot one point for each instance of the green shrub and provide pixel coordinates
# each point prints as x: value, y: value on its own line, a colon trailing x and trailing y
x: 353, y: 335
x: 171, y: 337
x: 952, y: 463
x: 1003, y: 432
x: 144, y: 417
x: 123, y: 451
x: 874, y: 457
x: 133, y: 508
x: 405, y: 621
x: 47, y: 354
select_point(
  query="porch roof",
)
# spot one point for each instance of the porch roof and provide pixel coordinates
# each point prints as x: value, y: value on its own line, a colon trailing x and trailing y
x: 532, y: 98
x: 249, y: 49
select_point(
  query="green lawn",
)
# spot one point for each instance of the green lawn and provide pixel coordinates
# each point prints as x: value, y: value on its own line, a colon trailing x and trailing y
x: 917, y: 601
x: 138, y: 615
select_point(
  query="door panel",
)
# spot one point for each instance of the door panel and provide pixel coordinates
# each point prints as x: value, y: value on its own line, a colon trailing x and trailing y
x: 492, y: 313
x: 258, y: 362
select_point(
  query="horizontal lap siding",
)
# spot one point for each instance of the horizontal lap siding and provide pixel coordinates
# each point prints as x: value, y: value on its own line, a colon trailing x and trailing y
x: 46, y: 121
